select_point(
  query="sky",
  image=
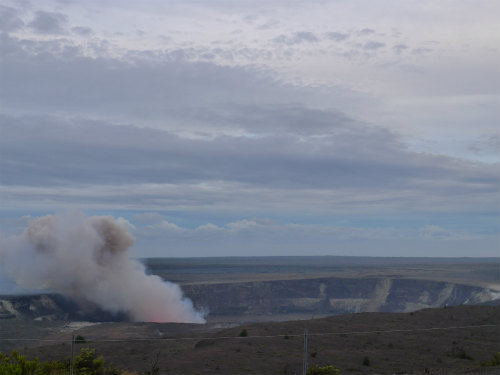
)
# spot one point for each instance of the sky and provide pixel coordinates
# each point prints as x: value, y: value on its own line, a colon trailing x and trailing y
x: 236, y: 128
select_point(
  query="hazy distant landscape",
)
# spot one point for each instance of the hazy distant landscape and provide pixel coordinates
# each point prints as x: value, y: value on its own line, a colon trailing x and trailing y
x: 471, y: 271
x: 245, y: 289
x: 281, y: 288
x: 277, y: 297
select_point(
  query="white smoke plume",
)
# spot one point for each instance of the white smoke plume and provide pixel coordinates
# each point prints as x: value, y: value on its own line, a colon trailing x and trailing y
x: 87, y: 259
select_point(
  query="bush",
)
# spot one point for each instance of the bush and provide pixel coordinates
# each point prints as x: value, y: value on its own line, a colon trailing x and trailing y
x: 80, y: 339
x: 494, y: 362
x: 459, y: 352
x: 16, y: 364
x: 244, y: 333
x: 86, y: 363
x: 54, y: 367
x: 366, y: 361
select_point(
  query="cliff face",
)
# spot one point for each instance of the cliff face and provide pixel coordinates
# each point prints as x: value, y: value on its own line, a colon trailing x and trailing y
x: 51, y: 307
x: 316, y: 296
x: 332, y: 296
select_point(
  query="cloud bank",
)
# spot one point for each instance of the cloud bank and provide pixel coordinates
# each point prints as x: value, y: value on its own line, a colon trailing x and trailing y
x: 323, y: 116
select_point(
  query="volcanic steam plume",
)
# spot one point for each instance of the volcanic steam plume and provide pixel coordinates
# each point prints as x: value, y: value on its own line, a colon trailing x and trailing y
x: 86, y: 259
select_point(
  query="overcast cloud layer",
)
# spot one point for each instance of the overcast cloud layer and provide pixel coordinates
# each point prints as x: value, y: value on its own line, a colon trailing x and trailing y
x: 242, y: 128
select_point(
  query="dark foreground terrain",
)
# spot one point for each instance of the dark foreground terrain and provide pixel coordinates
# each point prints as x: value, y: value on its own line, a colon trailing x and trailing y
x: 451, y: 340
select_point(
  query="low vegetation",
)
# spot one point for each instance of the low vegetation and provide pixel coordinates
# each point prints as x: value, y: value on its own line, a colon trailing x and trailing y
x: 85, y: 363
x: 493, y: 362
x: 244, y: 333
x: 366, y: 361
x: 367, y: 343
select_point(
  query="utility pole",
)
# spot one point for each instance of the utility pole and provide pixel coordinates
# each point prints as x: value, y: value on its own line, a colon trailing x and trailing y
x: 304, y: 361
x: 71, y: 364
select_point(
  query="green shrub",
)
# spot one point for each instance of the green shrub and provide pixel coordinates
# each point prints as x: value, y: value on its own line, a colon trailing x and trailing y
x: 54, y: 367
x: 16, y: 364
x: 494, y: 362
x: 86, y: 363
x: 366, y: 361
x: 244, y: 333
x: 80, y: 339
x: 459, y: 352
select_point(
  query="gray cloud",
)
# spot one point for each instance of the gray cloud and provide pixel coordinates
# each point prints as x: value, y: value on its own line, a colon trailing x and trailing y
x: 399, y: 48
x: 10, y: 19
x: 365, y: 31
x: 162, y: 90
x: 373, y: 45
x: 287, y: 119
x: 264, y: 237
x: 433, y: 231
x: 297, y: 38
x: 488, y: 144
x: 82, y: 30
x: 40, y: 151
x: 161, y: 131
x: 268, y: 25
x: 51, y: 76
x: 255, y: 132
x: 421, y: 51
x: 49, y: 22
x: 268, y: 229
x: 251, y: 18
x: 337, y: 36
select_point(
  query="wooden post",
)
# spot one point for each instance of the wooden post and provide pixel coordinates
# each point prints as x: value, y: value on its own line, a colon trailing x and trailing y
x: 304, y: 360
x: 71, y: 364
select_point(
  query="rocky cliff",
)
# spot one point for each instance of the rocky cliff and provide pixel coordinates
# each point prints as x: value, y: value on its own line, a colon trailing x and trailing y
x: 51, y: 307
x: 333, y: 296
x: 315, y: 296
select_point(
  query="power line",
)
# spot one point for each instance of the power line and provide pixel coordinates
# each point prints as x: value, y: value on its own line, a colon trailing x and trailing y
x: 262, y: 336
